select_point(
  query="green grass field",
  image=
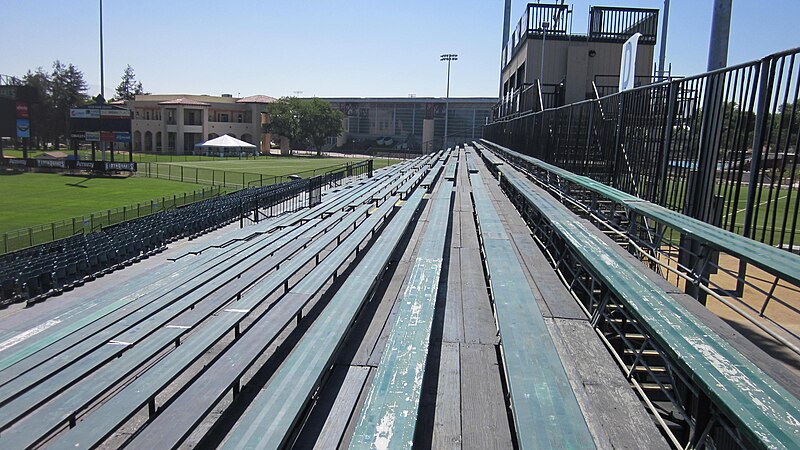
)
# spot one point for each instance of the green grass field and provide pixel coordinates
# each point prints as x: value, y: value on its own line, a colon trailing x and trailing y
x: 39, y: 207
x: 235, y: 173
x: 275, y: 166
x: 777, y: 203
x: 36, y: 198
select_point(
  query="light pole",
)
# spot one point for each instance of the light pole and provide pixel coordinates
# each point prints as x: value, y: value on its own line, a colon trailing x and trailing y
x: 447, y: 57
x: 102, y: 88
x: 102, y: 77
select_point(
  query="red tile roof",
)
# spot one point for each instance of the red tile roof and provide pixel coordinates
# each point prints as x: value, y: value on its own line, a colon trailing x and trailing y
x: 256, y: 99
x: 184, y: 101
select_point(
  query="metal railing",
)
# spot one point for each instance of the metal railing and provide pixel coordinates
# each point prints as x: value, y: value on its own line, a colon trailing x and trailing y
x: 84, y: 224
x: 224, y: 178
x: 618, y: 24
x: 766, y: 307
x: 719, y: 146
x: 220, y: 182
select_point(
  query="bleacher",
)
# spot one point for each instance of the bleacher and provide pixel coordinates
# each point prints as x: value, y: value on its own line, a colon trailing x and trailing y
x: 33, y: 274
x: 414, y: 307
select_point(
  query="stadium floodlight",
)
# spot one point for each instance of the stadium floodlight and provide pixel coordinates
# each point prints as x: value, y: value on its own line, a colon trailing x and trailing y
x: 449, y: 57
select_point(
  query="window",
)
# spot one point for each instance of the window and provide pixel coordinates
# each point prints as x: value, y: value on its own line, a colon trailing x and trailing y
x: 223, y: 117
x: 239, y: 118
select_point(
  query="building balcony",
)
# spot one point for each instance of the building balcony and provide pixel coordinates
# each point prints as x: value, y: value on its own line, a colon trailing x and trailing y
x: 606, y: 24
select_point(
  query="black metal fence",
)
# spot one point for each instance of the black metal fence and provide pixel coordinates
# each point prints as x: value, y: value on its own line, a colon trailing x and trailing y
x: 218, y: 182
x: 39, y: 234
x: 719, y: 146
x: 226, y: 178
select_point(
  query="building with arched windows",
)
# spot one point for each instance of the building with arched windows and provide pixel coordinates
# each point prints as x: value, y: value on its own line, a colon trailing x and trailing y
x: 175, y: 123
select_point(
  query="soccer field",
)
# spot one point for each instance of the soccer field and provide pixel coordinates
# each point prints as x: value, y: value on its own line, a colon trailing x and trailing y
x: 32, y: 202
x: 270, y: 166
x: 36, y: 198
x: 236, y: 173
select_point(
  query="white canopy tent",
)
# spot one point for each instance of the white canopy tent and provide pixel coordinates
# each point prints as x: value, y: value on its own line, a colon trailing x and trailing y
x: 227, y: 146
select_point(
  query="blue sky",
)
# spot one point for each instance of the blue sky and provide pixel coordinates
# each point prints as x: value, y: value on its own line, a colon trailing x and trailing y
x: 331, y: 48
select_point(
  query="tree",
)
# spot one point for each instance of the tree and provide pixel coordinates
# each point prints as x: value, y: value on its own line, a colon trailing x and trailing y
x: 304, y: 122
x: 319, y: 121
x: 128, y: 88
x: 57, y: 92
x: 39, y: 111
x: 284, y: 118
x: 67, y: 89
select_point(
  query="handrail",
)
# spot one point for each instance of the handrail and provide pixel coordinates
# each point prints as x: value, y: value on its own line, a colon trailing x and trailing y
x: 775, y: 261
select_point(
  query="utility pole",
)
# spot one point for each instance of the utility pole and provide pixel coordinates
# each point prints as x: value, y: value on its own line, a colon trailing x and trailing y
x: 102, y: 75
x: 662, y: 52
x: 506, y: 29
x: 102, y: 81
x: 447, y: 57
x: 720, y: 34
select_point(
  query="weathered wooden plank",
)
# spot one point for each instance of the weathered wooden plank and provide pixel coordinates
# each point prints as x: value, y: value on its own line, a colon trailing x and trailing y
x: 390, y: 414
x: 351, y: 423
x: 453, y: 307
x: 447, y: 422
x: 558, y: 300
x: 479, y: 325
x: 469, y: 231
x: 328, y: 418
x: 484, y: 417
x: 612, y: 410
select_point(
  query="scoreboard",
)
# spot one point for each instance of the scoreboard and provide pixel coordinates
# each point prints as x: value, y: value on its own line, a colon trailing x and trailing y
x: 100, y: 123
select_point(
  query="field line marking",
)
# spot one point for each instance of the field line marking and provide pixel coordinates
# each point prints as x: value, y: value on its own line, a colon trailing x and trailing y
x: 760, y: 204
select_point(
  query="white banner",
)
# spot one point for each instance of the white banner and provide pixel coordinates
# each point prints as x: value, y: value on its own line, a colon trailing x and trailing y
x: 627, y: 65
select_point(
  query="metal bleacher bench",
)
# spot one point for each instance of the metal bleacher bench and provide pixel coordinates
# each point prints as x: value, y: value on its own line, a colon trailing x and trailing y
x: 178, y: 420
x: 390, y: 411
x: 275, y: 411
x: 765, y: 413
x: 543, y: 405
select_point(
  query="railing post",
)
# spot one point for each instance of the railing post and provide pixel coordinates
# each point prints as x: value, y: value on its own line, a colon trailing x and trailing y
x: 702, y: 204
x: 569, y: 162
x: 666, y: 143
x: 588, y: 147
x: 759, y: 138
x: 617, y: 142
